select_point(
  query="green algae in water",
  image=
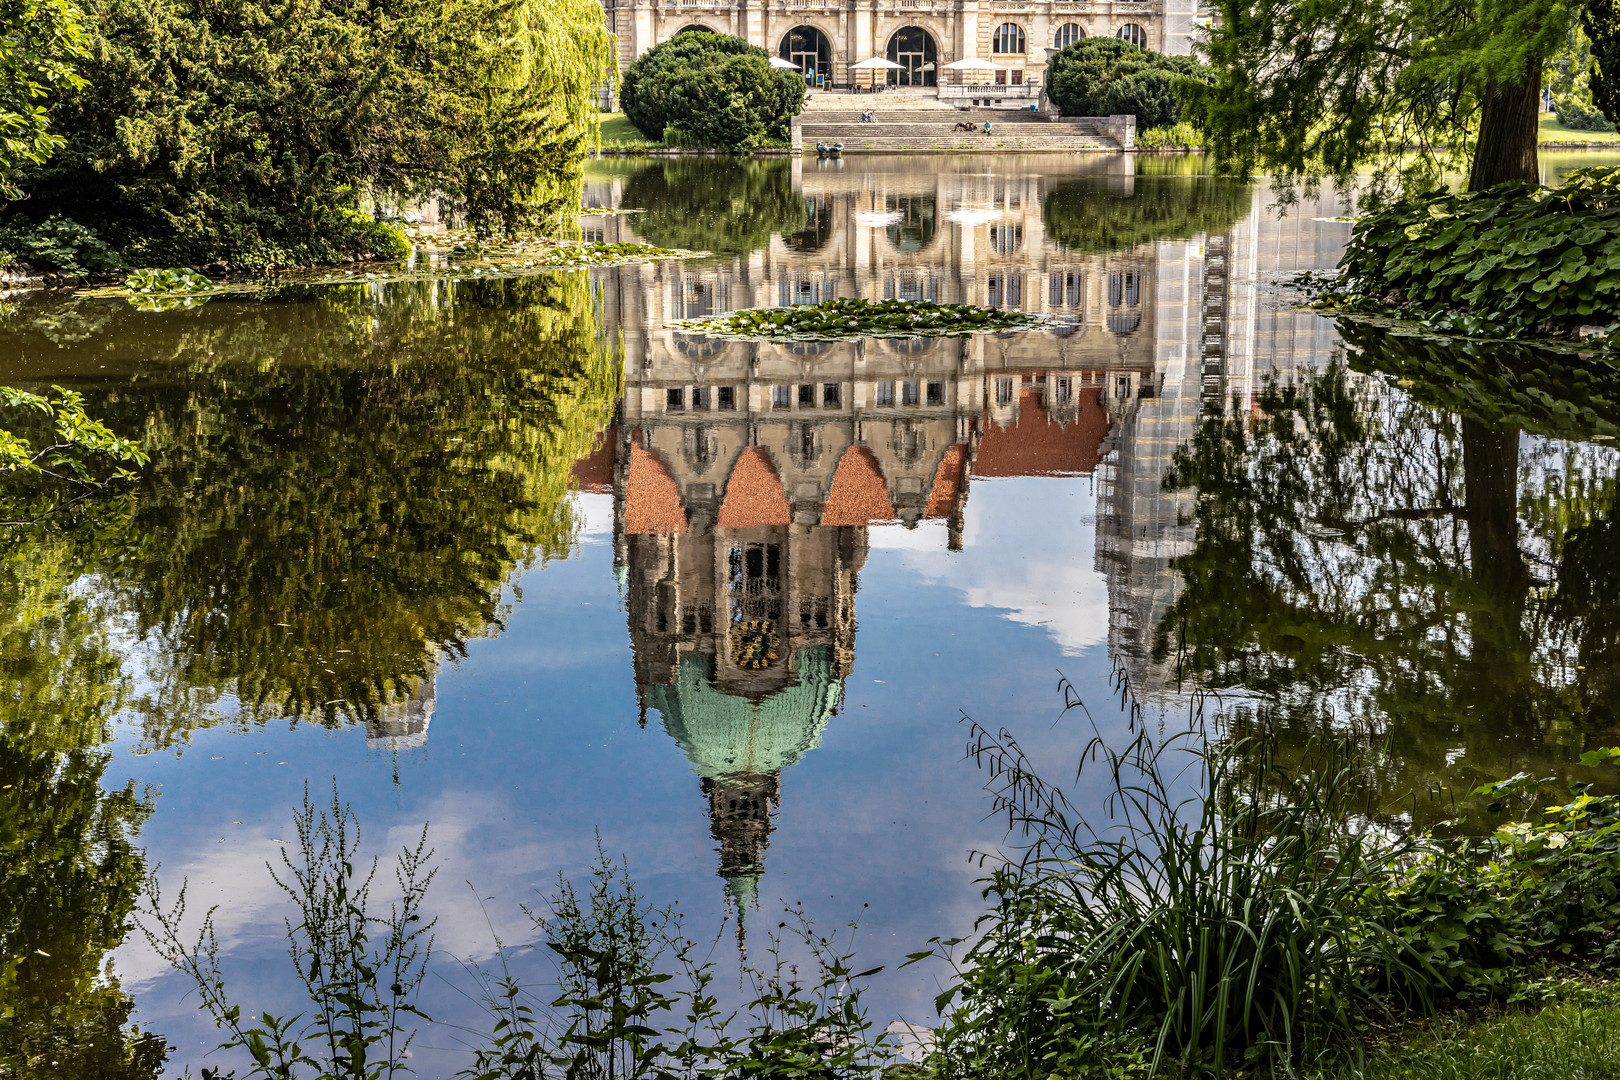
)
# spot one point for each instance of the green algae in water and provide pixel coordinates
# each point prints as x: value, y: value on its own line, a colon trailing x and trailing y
x: 847, y: 318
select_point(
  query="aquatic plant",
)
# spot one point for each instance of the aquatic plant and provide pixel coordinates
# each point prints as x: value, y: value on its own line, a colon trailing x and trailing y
x: 846, y: 318
x: 605, y: 254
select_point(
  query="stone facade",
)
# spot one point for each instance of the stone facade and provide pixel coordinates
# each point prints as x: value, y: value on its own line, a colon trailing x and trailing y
x: 954, y: 29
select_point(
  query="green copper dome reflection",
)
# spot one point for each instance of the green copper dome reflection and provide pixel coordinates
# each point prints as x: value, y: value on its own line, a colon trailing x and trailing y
x: 724, y: 735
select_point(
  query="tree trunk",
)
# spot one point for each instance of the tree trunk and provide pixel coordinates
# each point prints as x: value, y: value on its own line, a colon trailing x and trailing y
x: 1506, y: 149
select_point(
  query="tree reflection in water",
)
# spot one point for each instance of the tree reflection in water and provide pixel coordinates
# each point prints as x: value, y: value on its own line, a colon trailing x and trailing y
x: 1366, y: 561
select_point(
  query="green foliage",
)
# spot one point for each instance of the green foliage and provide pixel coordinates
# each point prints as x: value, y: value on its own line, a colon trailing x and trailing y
x: 718, y: 91
x: 1314, y: 87
x: 1104, y: 76
x: 159, y: 282
x: 1182, y: 136
x: 1214, y: 915
x: 604, y: 254
x: 312, y: 461
x: 728, y: 207
x: 59, y: 243
x: 1090, y: 217
x: 636, y: 998
x: 70, y: 867
x: 848, y: 318
x: 1573, y: 1041
x: 1581, y: 114
x: 1600, y: 19
x: 63, y: 446
x: 43, y: 39
x: 258, y: 131
x: 1517, y: 260
x: 360, y: 970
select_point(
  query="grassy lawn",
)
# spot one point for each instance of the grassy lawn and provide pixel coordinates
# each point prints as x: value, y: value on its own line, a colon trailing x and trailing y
x: 1553, y: 131
x: 1563, y: 1042
x: 617, y: 130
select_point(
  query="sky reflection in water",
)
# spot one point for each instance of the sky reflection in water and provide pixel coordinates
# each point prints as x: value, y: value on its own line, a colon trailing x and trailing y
x: 740, y: 655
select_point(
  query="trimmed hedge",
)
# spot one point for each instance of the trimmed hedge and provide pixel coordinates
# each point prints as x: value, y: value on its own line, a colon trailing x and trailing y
x: 710, y: 90
x: 1106, y: 76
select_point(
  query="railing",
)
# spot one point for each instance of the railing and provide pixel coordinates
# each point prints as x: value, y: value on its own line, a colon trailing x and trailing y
x: 970, y: 91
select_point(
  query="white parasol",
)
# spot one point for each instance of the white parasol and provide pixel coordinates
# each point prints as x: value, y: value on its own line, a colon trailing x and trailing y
x: 875, y: 64
x: 783, y: 65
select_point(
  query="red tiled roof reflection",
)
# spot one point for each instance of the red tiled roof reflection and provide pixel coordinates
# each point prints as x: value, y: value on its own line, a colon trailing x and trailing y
x: 947, y: 481
x: 859, y: 494
x: 594, y: 471
x: 652, y: 501
x: 754, y: 493
x: 1035, y: 445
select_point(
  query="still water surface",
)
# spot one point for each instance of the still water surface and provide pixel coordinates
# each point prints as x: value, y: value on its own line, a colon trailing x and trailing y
x: 512, y: 557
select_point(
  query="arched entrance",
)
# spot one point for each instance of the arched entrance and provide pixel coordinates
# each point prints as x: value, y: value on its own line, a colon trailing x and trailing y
x: 695, y: 26
x: 807, y: 49
x: 913, y: 49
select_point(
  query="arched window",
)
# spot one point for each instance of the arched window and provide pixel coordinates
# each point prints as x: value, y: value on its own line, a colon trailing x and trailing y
x: 1134, y: 34
x: 1068, y: 34
x: 807, y: 49
x: 1009, y: 39
x: 913, y: 49
x: 914, y: 229
x: 699, y: 27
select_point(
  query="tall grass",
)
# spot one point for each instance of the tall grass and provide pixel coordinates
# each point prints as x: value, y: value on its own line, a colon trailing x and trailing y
x: 1209, y: 916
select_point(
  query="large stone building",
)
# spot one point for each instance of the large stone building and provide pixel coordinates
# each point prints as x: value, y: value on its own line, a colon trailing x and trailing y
x: 824, y: 38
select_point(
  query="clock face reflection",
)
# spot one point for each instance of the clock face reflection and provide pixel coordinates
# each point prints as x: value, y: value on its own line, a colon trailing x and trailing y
x: 754, y: 644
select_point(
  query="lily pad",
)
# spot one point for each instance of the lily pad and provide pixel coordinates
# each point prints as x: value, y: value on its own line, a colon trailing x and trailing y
x: 848, y: 318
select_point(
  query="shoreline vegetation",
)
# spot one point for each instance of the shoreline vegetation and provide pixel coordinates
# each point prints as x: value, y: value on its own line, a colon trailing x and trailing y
x: 1219, y: 912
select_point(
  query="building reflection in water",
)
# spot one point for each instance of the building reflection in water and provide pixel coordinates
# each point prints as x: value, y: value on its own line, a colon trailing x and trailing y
x: 746, y: 475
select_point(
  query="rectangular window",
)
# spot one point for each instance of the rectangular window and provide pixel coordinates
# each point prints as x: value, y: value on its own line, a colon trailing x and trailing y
x: 829, y: 394
x: 807, y: 396
x: 781, y: 396
x: 1004, y: 391
x: 675, y: 399
x: 1065, y: 389
x: 1018, y: 77
x: 728, y: 398
x: 908, y: 393
x: 700, y: 398
x: 885, y: 393
x: 936, y: 393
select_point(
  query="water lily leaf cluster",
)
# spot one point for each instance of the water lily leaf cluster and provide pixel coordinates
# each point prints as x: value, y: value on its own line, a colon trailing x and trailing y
x: 605, y: 254
x: 1518, y: 260
x: 847, y: 318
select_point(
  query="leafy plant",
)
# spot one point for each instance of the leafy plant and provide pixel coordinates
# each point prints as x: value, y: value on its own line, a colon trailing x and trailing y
x: 604, y: 254
x: 179, y: 280
x: 1213, y: 914
x: 43, y: 38
x: 78, y: 450
x: 360, y: 970
x: 1519, y: 259
x: 846, y: 318
x: 59, y: 243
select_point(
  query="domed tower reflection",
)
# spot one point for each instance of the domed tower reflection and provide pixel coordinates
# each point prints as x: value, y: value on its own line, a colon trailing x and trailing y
x: 741, y: 609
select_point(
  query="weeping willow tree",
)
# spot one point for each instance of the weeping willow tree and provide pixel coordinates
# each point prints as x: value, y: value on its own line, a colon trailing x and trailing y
x: 520, y: 107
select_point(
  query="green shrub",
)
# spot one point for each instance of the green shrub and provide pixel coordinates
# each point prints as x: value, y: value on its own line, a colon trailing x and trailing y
x: 1182, y: 136
x: 1515, y: 260
x: 1100, y: 76
x: 1213, y: 914
x: 59, y: 243
x: 1581, y: 115
x: 719, y: 91
x: 1149, y: 93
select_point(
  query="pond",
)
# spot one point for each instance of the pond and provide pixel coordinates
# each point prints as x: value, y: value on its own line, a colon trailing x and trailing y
x: 511, y: 557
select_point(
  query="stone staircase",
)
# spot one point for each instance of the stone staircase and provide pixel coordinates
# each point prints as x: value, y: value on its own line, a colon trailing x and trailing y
x: 913, y: 128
